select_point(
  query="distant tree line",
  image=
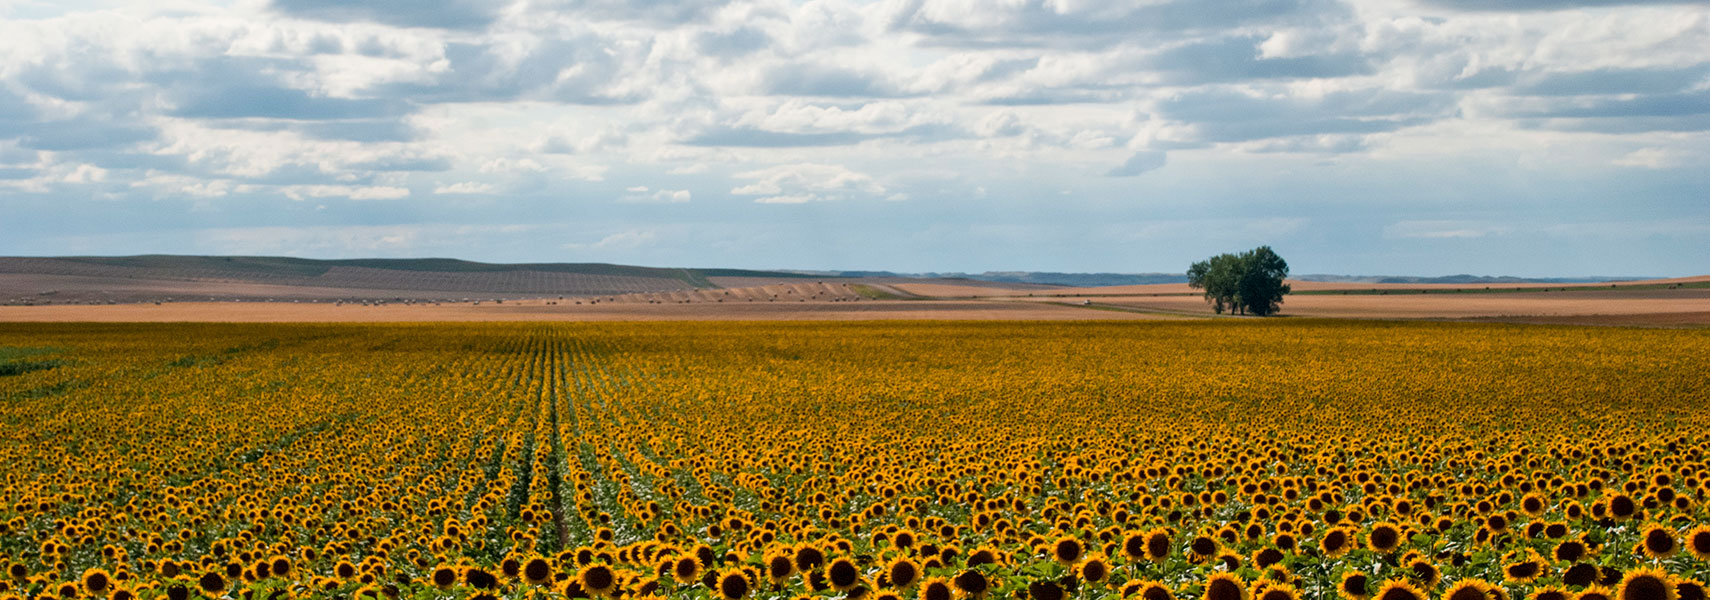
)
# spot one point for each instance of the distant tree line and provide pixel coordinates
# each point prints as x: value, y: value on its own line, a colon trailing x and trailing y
x: 1248, y: 283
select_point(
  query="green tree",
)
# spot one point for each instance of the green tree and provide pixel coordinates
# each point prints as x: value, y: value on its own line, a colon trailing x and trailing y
x: 1250, y: 282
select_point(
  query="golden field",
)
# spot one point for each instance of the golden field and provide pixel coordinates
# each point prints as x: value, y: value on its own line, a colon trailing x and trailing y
x: 1212, y: 460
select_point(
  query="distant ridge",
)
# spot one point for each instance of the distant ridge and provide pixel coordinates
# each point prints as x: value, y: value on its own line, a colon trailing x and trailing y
x: 1460, y: 279
x: 1030, y: 277
x: 1116, y: 279
x: 156, y: 277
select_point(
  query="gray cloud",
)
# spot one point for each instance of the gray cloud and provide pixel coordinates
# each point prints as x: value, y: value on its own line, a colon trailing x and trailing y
x: 733, y: 43
x: 1139, y: 162
x: 572, y: 70
x: 1615, y: 81
x: 442, y: 14
x: 1622, y: 125
x: 1041, y: 22
x: 760, y: 138
x: 1538, y: 5
x: 1228, y: 116
x: 82, y: 134
x: 658, y: 11
x: 809, y: 79
x: 1237, y: 58
x: 216, y: 101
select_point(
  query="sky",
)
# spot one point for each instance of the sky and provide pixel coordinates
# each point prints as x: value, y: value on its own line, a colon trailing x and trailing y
x: 1418, y: 137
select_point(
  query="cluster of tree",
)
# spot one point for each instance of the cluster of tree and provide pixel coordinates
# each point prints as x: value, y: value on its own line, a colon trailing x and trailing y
x: 1250, y: 282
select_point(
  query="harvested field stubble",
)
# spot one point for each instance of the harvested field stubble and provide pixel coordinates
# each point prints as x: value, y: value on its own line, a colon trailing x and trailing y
x: 1216, y: 460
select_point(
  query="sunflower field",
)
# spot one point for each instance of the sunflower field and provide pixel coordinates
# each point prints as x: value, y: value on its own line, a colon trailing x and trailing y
x: 1273, y: 460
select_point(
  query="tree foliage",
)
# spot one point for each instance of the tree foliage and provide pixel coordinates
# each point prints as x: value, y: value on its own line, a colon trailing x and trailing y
x: 1250, y: 282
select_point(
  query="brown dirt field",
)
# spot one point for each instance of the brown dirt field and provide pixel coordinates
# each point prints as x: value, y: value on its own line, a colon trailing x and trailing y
x: 962, y: 290
x: 540, y: 311
x: 18, y: 287
x: 1668, y: 307
x: 958, y: 290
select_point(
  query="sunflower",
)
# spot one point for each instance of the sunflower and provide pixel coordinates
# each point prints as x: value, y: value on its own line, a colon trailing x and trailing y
x: 1384, y: 537
x: 1646, y: 584
x: 809, y: 557
x: 1550, y: 592
x: 1095, y: 569
x: 1424, y: 573
x: 1525, y: 569
x: 1622, y: 507
x: 1468, y: 589
x: 973, y: 584
x: 1049, y: 590
x: 983, y: 555
x: 1134, y: 545
x: 1157, y: 545
x: 1534, y: 505
x: 1335, y: 542
x: 479, y: 578
x: 733, y: 586
x: 1224, y: 586
x: 1279, y: 591
x: 1658, y: 542
x: 1398, y: 589
x: 280, y: 566
x: 936, y: 588
x: 1580, y: 575
x: 779, y: 568
x: 1571, y: 550
x: 1202, y: 547
x: 1595, y: 592
x: 687, y: 570
x: 444, y: 577
x: 1688, y: 589
x: 1353, y: 586
x: 1068, y: 550
x: 1153, y: 590
x: 1698, y: 542
x: 597, y: 579
x: 97, y: 582
x: 211, y: 583
x: 902, y: 573
x: 537, y: 571
x: 843, y: 574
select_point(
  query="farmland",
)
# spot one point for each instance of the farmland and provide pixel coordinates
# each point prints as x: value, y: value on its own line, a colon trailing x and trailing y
x: 1214, y: 460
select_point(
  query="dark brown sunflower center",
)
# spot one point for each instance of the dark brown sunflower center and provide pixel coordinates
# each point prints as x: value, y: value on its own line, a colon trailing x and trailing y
x: 1645, y: 587
x: 843, y: 574
x: 1222, y: 589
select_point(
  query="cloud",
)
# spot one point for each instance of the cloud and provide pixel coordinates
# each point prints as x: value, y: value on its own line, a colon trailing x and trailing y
x: 466, y: 188
x: 444, y: 14
x: 640, y: 194
x: 1225, y: 115
x: 1440, y: 230
x: 809, y: 79
x: 1139, y: 162
x: 622, y: 240
x: 1652, y: 158
x: 807, y: 182
x: 1615, y: 81
x: 1242, y: 58
x: 733, y: 43
x: 352, y: 192
x: 1538, y: 5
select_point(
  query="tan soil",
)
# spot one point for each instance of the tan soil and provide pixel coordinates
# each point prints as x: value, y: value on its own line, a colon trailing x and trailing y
x: 1639, y: 306
x: 540, y: 311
